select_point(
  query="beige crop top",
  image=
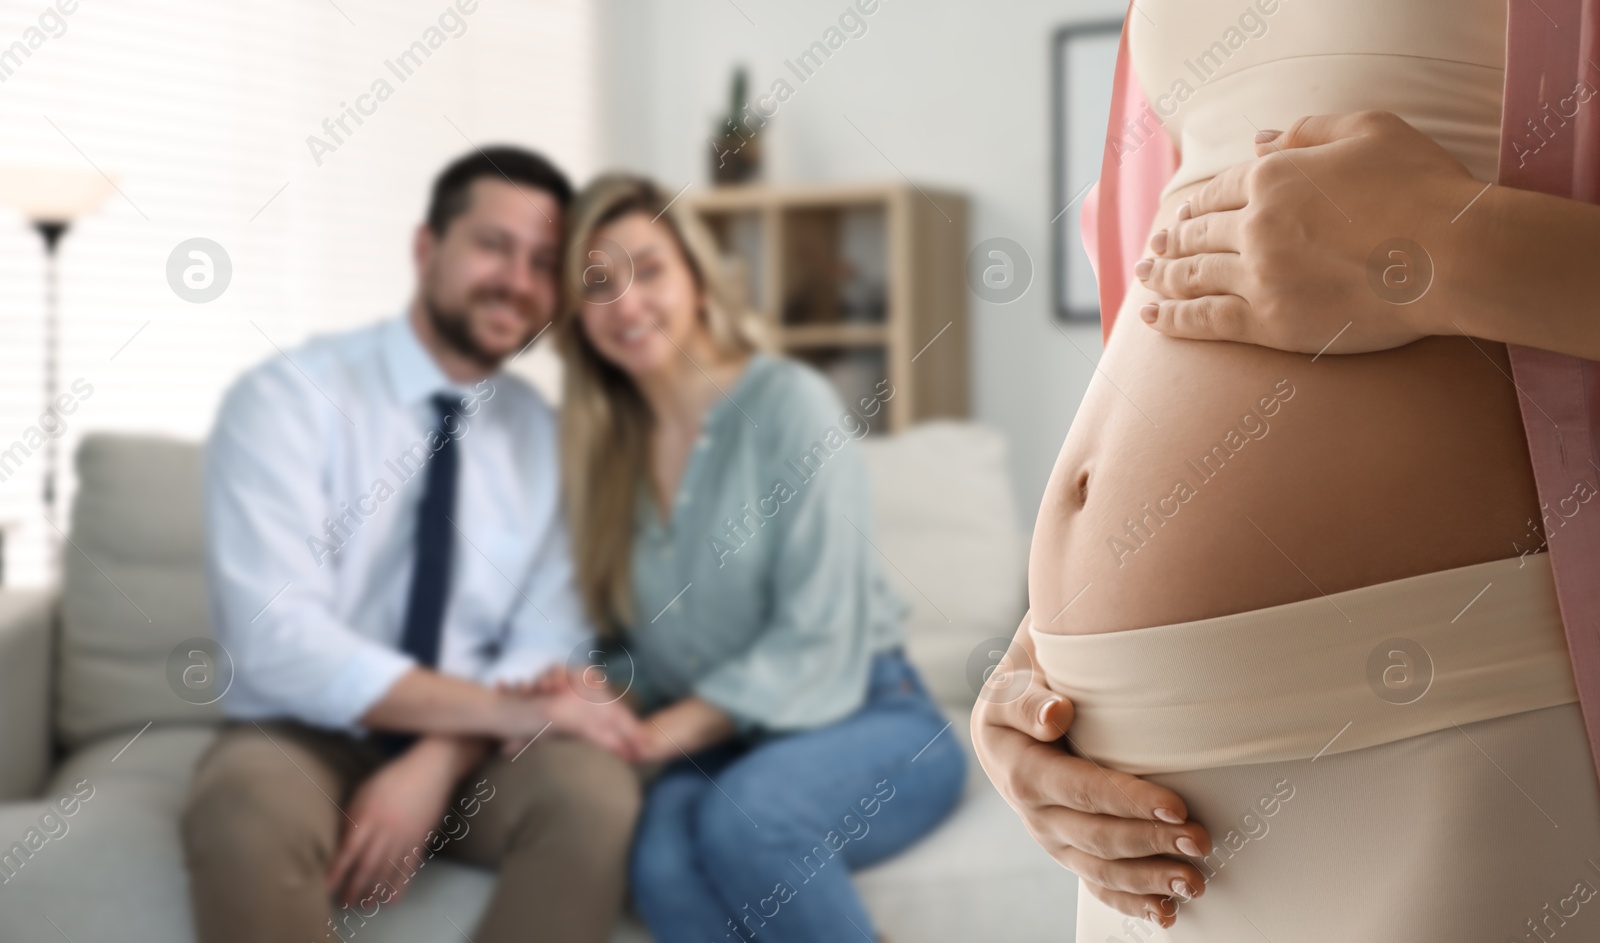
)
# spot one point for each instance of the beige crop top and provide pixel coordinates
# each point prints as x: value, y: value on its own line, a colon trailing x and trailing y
x: 1216, y: 71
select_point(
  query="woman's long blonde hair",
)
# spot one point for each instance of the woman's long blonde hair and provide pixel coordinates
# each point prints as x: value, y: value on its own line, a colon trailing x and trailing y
x: 605, y: 423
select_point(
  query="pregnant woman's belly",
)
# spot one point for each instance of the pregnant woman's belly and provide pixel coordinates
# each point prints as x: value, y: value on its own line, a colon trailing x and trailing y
x: 1204, y: 478
x: 1288, y: 587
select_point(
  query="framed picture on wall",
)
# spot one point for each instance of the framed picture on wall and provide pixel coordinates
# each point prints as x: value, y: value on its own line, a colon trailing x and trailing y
x: 1082, y: 65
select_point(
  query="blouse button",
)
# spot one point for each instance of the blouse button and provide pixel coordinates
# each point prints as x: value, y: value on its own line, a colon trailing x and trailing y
x: 703, y: 441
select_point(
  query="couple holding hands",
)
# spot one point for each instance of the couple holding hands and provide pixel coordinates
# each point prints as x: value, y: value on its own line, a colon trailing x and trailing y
x: 465, y: 623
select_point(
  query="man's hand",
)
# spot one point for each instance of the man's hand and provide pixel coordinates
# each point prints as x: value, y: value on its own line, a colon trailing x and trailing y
x: 607, y: 724
x: 1111, y: 829
x: 686, y: 727
x: 1340, y: 238
x: 390, y: 817
x: 575, y: 702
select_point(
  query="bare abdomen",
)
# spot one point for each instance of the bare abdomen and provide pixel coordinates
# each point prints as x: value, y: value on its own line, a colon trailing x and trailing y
x: 1204, y: 478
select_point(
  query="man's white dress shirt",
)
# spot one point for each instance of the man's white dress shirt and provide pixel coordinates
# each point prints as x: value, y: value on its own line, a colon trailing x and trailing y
x: 313, y: 477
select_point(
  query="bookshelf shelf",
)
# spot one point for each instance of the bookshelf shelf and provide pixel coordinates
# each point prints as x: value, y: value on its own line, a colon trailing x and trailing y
x: 864, y: 281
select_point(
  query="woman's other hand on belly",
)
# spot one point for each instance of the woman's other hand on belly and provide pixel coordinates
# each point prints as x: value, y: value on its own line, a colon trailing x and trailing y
x: 1113, y: 830
x: 1328, y: 241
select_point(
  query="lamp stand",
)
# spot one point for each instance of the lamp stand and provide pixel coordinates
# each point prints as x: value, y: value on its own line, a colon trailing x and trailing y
x: 51, y: 232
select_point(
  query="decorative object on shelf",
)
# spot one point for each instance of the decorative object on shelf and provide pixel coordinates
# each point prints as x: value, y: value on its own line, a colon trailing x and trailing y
x: 736, y: 140
x: 864, y: 282
x: 1084, y: 58
x: 52, y: 199
x: 863, y: 292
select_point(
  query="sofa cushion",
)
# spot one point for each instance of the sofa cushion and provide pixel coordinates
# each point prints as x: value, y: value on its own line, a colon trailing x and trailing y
x: 122, y: 842
x: 133, y: 586
x: 27, y: 640
x: 946, y: 524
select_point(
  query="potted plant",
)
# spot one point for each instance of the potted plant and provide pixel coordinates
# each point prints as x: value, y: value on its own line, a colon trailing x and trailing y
x: 736, y: 139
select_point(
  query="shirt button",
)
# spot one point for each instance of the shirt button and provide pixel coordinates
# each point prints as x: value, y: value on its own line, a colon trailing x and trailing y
x: 703, y: 441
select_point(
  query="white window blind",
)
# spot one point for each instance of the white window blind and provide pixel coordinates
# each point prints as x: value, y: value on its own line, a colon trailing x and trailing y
x: 201, y: 113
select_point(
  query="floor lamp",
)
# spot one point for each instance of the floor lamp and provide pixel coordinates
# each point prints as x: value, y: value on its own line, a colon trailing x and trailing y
x: 52, y: 199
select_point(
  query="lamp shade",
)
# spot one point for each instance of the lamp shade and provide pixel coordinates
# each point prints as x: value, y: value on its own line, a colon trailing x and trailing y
x: 53, y: 194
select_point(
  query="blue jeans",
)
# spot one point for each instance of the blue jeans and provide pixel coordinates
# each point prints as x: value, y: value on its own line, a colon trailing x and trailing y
x: 758, y: 839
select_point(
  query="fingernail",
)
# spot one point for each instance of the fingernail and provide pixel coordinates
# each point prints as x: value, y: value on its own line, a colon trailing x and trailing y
x: 1044, y: 711
x: 1188, y: 847
x: 1158, y: 242
x: 1167, y: 815
x: 1180, y: 887
x: 1184, y: 210
x: 1266, y: 137
x: 1149, y: 312
x: 1141, y: 270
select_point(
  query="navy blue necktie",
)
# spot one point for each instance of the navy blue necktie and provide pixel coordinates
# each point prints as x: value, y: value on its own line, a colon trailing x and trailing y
x: 430, y: 576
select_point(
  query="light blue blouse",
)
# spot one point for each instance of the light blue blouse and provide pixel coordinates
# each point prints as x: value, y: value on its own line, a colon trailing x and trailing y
x: 763, y: 593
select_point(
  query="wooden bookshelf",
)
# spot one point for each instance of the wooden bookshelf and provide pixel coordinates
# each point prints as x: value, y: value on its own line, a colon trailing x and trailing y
x: 865, y: 282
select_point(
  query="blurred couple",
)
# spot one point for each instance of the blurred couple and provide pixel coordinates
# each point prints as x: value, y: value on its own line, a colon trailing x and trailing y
x: 464, y: 624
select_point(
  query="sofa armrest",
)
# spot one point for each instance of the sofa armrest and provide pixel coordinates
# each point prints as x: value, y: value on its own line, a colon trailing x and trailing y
x: 27, y: 637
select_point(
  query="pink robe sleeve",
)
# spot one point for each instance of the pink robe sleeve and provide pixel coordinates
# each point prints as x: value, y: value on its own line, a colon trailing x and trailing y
x: 1138, y: 161
x: 1550, y: 143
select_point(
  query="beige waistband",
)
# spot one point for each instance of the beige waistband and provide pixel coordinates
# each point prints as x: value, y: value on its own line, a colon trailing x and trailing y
x: 1323, y: 675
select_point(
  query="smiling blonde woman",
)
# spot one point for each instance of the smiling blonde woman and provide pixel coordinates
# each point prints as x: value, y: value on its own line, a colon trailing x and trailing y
x: 771, y: 679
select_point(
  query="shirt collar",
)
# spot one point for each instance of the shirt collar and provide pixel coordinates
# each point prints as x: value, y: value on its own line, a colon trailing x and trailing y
x: 413, y: 374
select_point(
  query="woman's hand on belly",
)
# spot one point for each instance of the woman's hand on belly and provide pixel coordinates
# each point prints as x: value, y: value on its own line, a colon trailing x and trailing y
x: 1327, y: 241
x: 1111, y: 829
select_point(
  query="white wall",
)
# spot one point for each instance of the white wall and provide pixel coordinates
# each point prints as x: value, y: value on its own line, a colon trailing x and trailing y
x: 953, y: 92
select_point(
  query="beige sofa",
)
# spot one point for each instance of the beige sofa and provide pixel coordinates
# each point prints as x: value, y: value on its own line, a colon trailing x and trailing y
x: 86, y: 702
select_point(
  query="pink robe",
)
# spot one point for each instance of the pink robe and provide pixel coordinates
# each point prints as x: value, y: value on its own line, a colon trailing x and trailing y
x: 1560, y: 394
